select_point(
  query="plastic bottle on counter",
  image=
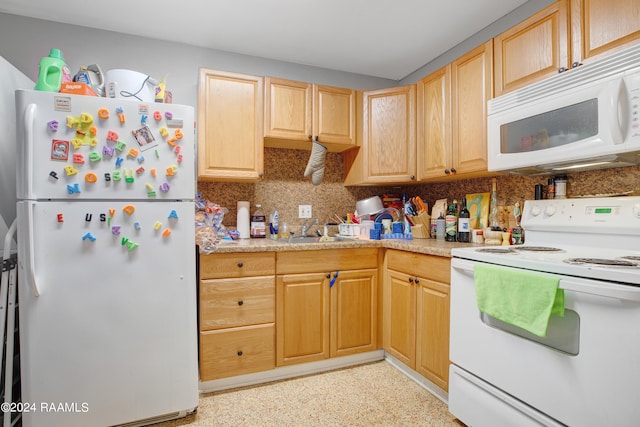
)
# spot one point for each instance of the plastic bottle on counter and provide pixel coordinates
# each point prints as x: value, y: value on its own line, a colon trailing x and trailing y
x: 273, y: 223
x: 440, y: 227
x: 551, y: 189
x: 464, y: 232
x: 258, y: 224
x: 51, y: 71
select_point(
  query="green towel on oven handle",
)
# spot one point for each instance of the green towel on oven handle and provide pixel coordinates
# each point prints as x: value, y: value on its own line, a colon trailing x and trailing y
x: 520, y: 298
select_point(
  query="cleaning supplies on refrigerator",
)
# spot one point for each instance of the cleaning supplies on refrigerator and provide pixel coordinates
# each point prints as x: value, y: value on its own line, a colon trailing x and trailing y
x: 52, y: 71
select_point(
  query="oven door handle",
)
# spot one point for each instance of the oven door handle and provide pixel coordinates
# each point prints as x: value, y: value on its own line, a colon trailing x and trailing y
x: 583, y: 286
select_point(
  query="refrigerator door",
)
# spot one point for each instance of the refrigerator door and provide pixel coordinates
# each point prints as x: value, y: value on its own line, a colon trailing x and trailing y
x: 10, y: 79
x: 107, y: 299
x: 77, y: 147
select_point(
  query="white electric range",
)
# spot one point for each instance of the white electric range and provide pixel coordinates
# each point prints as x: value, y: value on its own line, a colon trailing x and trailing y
x: 585, y: 371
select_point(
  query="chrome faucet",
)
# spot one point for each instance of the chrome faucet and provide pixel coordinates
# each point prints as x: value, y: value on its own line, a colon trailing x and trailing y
x: 306, y: 227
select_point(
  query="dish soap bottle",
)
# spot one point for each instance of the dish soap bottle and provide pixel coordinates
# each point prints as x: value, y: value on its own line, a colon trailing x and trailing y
x: 258, y: 224
x: 273, y: 223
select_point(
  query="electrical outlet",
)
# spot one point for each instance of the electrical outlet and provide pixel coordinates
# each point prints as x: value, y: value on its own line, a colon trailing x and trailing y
x: 304, y: 211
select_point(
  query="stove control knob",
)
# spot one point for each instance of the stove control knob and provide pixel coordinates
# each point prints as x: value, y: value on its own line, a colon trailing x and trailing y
x: 535, y: 211
x: 550, y: 210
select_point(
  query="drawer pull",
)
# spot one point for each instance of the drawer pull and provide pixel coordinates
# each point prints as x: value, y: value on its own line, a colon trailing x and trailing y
x: 410, y: 279
x: 240, y: 302
x: 239, y: 352
x: 240, y: 264
x: 417, y: 280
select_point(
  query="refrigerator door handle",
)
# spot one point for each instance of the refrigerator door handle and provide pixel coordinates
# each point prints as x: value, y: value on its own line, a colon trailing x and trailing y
x: 29, y: 120
x: 32, y: 267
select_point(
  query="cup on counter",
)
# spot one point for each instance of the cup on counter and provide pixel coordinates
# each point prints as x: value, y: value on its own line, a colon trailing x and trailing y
x: 397, y: 227
x: 374, y: 234
x: 386, y: 226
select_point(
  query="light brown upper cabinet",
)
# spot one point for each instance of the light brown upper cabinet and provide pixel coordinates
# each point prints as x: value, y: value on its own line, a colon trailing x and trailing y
x: 601, y: 26
x: 532, y: 50
x: 434, y: 150
x: 564, y: 34
x: 387, y: 138
x: 230, y: 130
x: 471, y: 88
x: 297, y: 113
x: 451, y: 116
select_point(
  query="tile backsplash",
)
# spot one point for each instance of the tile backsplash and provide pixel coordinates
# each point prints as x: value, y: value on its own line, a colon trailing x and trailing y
x: 285, y: 187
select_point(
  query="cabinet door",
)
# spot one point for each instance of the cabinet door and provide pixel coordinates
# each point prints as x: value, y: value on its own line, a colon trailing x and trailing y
x: 388, y: 135
x: 302, y: 316
x: 354, y: 319
x: 432, y: 335
x: 600, y: 26
x: 399, y: 317
x: 230, y: 130
x: 532, y: 50
x: 434, y: 125
x: 334, y: 114
x: 471, y: 88
x: 287, y: 109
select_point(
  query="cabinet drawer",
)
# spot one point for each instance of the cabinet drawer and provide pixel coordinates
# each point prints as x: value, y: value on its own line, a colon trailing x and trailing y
x: 226, y: 303
x: 428, y: 266
x: 230, y: 352
x: 320, y: 261
x: 219, y: 266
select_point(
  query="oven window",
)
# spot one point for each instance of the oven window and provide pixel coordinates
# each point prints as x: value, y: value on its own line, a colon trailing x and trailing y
x: 551, y: 129
x: 563, y: 333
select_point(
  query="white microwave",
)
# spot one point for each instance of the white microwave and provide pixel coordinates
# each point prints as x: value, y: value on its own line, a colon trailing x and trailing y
x: 586, y: 118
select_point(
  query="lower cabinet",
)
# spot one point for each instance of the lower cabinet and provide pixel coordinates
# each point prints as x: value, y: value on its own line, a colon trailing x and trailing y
x: 416, y: 313
x: 237, y: 314
x: 326, y: 304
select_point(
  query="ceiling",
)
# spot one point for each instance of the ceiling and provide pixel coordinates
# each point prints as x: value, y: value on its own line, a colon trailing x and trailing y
x: 381, y: 38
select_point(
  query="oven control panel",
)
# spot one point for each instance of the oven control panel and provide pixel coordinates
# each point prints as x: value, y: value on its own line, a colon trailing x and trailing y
x: 606, y: 215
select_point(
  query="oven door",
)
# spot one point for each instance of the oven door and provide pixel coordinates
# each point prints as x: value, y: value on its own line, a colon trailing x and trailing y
x: 585, y: 373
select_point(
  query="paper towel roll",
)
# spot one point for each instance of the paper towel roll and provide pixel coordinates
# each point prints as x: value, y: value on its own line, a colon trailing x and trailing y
x: 243, y: 220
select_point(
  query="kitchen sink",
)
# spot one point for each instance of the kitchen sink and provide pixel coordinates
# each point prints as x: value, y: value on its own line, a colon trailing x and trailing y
x: 310, y: 239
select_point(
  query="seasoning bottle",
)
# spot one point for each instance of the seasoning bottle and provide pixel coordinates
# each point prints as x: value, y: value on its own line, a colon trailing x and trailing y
x: 561, y: 187
x: 551, y: 189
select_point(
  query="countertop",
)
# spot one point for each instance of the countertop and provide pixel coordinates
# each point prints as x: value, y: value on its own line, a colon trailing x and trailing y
x: 423, y: 246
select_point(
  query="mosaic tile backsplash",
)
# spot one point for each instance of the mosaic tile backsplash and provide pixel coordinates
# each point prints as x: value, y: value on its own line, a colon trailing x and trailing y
x: 284, y: 187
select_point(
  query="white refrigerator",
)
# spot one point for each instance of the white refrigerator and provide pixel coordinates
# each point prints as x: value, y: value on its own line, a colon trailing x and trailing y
x: 106, y: 258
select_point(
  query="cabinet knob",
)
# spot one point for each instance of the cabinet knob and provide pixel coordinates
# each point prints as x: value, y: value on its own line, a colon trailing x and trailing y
x: 410, y: 279
x: 417, y: 280
x: 260, y: 175
x: 412, y: 177
x: 328, y: 275
x: 446, y: 172
x: 310, y: 137
x: 239, y: 352
x: 240, y: 302
x: 453, y: 170
x: 562, y: 69
x: 240, y: 264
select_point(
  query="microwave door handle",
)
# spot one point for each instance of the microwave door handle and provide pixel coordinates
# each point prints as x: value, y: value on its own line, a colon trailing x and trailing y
x: 615, y: 99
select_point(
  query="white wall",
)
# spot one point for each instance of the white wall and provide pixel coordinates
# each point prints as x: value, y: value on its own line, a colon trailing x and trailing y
x: 26, y: 40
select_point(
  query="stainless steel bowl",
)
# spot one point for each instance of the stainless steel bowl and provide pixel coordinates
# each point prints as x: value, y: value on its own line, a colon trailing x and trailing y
x: 370, y: 206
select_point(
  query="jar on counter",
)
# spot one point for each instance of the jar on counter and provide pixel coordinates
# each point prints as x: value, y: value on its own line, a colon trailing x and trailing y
x: 561, y: 187
x: 551, y: 189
